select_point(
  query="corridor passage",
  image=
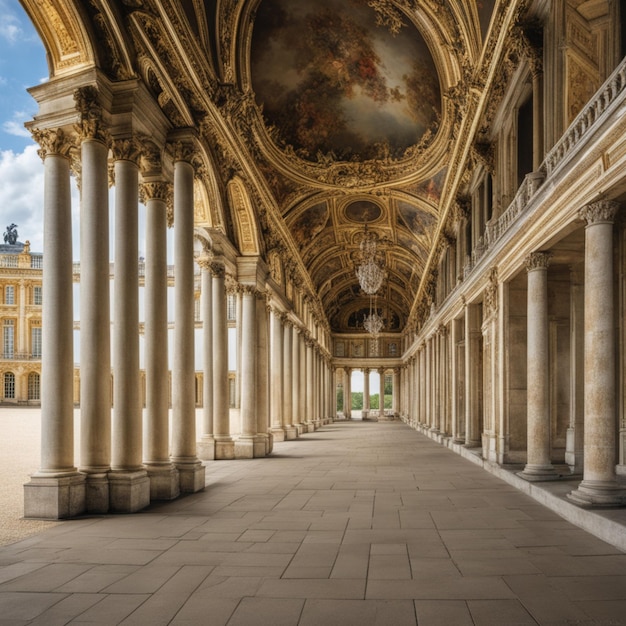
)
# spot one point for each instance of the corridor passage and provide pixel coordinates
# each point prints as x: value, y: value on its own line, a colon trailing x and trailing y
x: 359, y: 523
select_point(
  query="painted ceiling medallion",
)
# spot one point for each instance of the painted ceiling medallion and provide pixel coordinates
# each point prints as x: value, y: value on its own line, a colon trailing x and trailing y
x: 338, y: 83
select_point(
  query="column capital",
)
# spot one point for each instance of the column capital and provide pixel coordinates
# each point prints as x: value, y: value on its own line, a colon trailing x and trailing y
x: 91, y: 124
x: 155, y: 191
x: 126, y: 149
x: 602, y: 211
x: 537, y: 261
x: 52, y: 141
x: 182, y: 150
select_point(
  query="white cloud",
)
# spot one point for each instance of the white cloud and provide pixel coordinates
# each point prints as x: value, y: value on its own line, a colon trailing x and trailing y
x: 22, y: 194
x: 15, y: 126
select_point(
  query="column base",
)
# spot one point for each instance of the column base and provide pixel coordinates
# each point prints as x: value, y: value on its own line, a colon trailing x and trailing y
x: 224, y: 449
x: 60, y: 497
x: 97, y: 499
x: 537, y: 473
x: 164, y: 482
x: 205, y: 449
x: 279, y: 434
x: 191, y: 476
x: 250, y: 447
x: 129, y: 491
x: 598, y: 493
x: 291, y: 432
x: 300, y: 428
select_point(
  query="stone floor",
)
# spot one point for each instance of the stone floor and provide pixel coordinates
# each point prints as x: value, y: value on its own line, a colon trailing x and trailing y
x: 358, y: 523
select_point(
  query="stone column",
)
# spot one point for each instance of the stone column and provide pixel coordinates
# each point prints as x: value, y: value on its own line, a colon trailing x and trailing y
x: 129, y: 485
x: 473, y: 367
x: 599, y: 486
x: 428, y: 384
x: 249, y: 445
x: 574, y: 437
x: 206, y: 445
x: 224, y: 445
x: 310, y: 386
x: 238, y: 316
x: 183, y: 447
x: 303, y: 379
x: 454, y: 390
x: 95, y: 314
x: 381, y: 393
x: 56, y: 490
x: 276, y: 375
x: 347, y: 393
x: 262, y: 373
x: 395, y: 406
x: 290, y: 430
x: 366, y: 393
x: 164, y: 480
x: 295, y: 381
x: 538, y: 466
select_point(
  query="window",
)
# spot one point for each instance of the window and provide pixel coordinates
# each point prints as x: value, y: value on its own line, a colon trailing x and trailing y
x: 37, y: 295
x: 393, y: 349
x: 9, y: 294
x: 8, y: 339
x: 196, y: 309
x: 34, y: 392
x: 232, y: 307
x: 36, y: 261
x: 9, y: 385
x: 35, y: 341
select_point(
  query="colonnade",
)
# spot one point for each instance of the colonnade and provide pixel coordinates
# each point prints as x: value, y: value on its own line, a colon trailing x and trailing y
x: 128, y: 458
x: 498, y: 379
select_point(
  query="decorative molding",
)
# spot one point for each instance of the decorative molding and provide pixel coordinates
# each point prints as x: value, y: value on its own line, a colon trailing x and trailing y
x: 537, y: 261
x: 602, y: 211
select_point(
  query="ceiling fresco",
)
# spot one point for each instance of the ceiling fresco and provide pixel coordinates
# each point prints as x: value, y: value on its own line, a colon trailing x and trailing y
x: 333, y: 81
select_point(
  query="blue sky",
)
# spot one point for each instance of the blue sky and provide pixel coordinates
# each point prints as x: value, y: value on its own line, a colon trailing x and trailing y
x: 22, y: 65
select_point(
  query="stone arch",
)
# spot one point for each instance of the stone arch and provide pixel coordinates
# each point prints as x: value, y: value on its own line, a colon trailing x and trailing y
x: 246, y: 229
x: 62, y: 30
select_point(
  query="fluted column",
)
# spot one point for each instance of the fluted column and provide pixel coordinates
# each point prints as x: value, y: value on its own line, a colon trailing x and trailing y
x: 238, y: 315
x: 290, y: 430
x: 599, y: 486
x: 183, y: 452
x: 224, y: 445
x: 95, y: 314
x: 276, y: 374
x: 381, y: 393
x: 129, y: 486
x: 310, y: 386
x: 56, y: 490
x: 206, y: 444
x: 538, y: 465
x: 164, y: 479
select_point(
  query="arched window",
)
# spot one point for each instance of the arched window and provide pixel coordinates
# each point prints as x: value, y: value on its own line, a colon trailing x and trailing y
x: 9, y: 385
x: 33, y: 386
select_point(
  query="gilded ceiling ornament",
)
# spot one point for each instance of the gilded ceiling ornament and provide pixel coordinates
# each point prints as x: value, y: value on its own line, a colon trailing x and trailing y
x: 110, y: 53
x: 387, y: 14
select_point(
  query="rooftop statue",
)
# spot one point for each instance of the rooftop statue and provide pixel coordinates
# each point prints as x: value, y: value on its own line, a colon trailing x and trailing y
x: 10, y: 236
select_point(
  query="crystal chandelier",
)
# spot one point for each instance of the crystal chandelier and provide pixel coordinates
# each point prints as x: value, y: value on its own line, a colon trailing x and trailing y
x: 373, y: 323
x: 370, y: 270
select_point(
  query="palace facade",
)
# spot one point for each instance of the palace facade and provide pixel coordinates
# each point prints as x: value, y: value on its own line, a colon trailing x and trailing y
x: 431, y: 190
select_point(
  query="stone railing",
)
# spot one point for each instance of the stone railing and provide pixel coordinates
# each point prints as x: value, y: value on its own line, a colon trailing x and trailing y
x: 590, y: 116
x: 607, y: 95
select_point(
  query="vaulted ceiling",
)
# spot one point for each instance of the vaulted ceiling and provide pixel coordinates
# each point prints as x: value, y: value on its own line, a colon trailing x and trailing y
x: 340, y: 113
